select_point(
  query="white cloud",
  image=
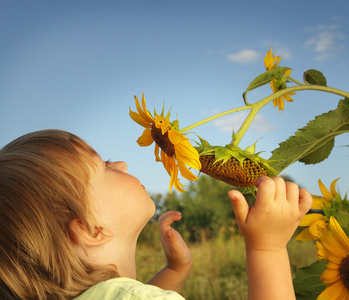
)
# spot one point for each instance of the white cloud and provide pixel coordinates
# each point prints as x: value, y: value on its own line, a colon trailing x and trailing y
x: 244, y: 56
x: 325, y: 40
x: 259, y: 123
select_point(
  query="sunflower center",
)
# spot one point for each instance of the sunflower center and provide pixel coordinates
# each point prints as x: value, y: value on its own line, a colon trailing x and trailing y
x: 232, y: 172
x: 162, y: 140
x: 344, y: 271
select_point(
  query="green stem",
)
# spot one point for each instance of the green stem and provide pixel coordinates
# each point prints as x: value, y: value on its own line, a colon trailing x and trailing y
x: 214, y: 117
x: 304, y: 87
x: 256, y: 107
x: 294, y: 80
x: 243, y: 128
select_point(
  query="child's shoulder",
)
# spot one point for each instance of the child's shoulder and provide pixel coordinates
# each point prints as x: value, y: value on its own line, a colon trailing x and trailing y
x: 125, y: 288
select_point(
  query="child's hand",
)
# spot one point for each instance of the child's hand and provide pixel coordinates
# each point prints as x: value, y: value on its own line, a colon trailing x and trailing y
x: 278, y: 209
x: 177, y: 252
x: 179, y: 259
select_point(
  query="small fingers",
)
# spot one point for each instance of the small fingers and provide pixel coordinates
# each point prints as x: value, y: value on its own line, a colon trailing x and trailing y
x: 266, y: 189
x: 280, y: 188
x: 240, y: 206
x: 276, y: 189
x: 292, y: 192
x: 305, y: 201
x: 168, y: 218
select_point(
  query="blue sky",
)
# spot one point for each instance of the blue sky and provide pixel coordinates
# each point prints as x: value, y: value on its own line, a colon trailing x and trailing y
x: 76, y: 65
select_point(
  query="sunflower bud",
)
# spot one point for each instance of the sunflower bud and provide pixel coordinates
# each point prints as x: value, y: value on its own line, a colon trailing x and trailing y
x: 233, y: 165
x: 232, y: 171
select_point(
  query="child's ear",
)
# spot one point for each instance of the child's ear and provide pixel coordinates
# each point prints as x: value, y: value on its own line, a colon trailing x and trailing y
x: 80, y: 233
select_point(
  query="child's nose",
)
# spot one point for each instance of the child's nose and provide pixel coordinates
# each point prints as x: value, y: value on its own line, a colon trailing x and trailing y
x: 120, y: 165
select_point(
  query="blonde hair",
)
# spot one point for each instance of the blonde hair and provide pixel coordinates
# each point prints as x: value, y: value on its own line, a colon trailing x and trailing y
x: 43, y: 186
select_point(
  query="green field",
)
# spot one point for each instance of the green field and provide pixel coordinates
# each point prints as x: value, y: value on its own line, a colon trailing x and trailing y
x: 219, y: 271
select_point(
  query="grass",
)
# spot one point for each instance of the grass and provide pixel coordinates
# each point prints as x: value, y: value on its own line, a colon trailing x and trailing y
x: 219, y: 270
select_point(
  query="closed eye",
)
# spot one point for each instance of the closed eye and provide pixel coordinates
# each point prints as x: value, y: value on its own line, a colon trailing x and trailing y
x: 106, y: 163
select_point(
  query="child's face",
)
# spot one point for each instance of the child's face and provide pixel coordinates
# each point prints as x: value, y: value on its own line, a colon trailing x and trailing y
x: 121, y: 202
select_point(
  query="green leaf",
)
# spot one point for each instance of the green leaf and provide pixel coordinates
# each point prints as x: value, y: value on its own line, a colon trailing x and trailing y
x: 307, y: 283
x: 314, y: 77
x: 314, y: 142
x: 265, y: 78
x: 222, y: 153
x: 318, y: 155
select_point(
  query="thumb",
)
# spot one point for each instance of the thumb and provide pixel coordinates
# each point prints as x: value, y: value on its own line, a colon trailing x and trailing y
x: 240, y: 206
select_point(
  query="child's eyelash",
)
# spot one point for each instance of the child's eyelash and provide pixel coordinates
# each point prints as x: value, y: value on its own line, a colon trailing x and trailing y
x: 106, y: 163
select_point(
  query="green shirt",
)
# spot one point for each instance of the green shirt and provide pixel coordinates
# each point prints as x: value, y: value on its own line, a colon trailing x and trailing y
x: 127, y: 289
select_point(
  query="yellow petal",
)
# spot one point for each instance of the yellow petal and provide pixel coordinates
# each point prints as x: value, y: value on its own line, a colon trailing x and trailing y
x: 277, y: 60
x: 145, y: 139
x: 176, y: 183
x: 174, y: 176
x: 333, y: 188
x: 310, y: 219
x: 334, y: 258
x: 318, y: 202
x: 160, y: 122
x: 288, y: 98
x: 175, y: 137
x: 188, y: 155
x: 332, y: 292
x: 144, y: 113
x: 345, y: 294
x: 138, y: 119
x: 164, y: 127
x: 335, y: 251
x: 166, y: 161
x: 324, y: 191
x: 305, y: 235
x: 321, y: 253
x: 329, y: 276
x: 270, y: 61
x: 275, y: 102
x: 156, y: 152
x: 332, y: 266
x: 339, y: 235
x: 314, y: 227
x: 185, y: 171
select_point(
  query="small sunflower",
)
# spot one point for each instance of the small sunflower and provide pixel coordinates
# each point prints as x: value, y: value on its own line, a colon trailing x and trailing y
x: 335, y: 249
x: 321, y: 205
x: 176, y: 151
x: 279, y: 82
x: 271, y: 61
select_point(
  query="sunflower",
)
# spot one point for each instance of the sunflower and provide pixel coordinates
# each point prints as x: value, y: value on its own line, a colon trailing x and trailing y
x: 176, y: 151
x: 271, y: 61
x: 278, y: 83
x: 315, y: 220
x: 335, y: 249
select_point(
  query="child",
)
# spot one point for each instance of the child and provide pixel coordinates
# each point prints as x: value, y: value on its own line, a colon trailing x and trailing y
x: 69, y: 223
